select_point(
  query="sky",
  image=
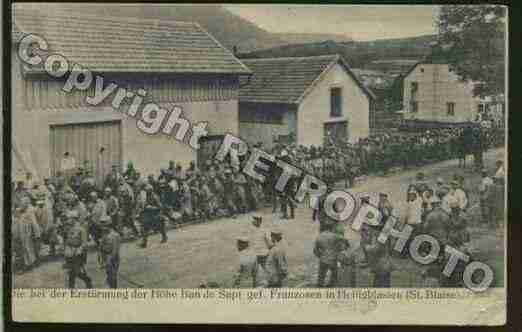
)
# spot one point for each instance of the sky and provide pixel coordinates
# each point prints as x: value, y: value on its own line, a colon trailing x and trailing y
x: 360, y: 22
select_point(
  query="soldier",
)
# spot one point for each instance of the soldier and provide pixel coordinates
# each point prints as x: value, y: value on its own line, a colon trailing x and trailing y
x: 109, y: 252
x: 44, y: 218
x: 228, y: 193
x: 79, y: 206
x: 148, y: 209
x: 113, y: 208
x: 384, y: 206
x: 26, y: 233
x: 276, y: 262
x: 171, y: 170
x: 486, y: 199
x: 76, y: 180
x: 112, y: 180
x: 246, y: 274
x: 379, y: 258
x: 87, y: 186
x: 130, y: 173
x: 260, y: 240
x: 97, y: 209
x: 327, y: 249
x: 127, y: 205
x: 75, y: 251
x: 437, y: 222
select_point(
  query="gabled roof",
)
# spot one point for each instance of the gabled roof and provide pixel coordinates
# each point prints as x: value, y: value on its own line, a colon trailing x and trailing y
x: 288, y: 80
x: 116, y: 44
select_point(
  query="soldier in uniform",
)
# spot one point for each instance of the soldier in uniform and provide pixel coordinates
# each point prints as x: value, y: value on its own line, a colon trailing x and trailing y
x: 245, y: 276
x: 97, y: 209
x: 486, y: 199
x: 379, y: 258
x: 127, y: 205
x: 276, y: 262
x: 113, y: 207
x: 75, y: 251
x: 229, y: 193
x: 76, y: 180
x: 148, y: 209
x: 109, y: 252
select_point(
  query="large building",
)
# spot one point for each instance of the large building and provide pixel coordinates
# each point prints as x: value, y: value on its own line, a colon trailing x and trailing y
x: 433, y: 92
x: 176, y: 63
x: 306, y: 98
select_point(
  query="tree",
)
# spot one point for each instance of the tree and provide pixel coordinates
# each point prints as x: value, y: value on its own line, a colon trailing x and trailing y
x: 473, y: 41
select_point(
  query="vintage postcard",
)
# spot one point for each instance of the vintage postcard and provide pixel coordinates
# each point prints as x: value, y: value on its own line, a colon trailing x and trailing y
x: 289, y: 164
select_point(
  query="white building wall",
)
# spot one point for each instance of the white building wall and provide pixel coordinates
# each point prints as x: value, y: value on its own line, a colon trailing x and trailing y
x: 436, y: 87
x: 314, y: 110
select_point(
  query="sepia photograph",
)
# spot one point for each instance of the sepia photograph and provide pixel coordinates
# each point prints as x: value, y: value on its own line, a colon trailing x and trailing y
x: 350, y: 154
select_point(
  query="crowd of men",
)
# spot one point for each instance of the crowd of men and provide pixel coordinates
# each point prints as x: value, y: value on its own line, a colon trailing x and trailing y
x: 75, y: 208
x: 438, y: 208
x: 342, y: 160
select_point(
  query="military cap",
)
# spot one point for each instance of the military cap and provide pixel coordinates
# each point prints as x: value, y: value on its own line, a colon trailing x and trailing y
x: 242, y: 239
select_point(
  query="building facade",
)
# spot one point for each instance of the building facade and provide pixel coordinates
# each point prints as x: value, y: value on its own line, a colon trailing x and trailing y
x: 177, y: 64
x: 433, y: 92
x: 309, y: 99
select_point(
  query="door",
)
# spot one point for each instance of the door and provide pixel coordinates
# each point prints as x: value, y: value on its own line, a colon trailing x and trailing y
x: 94, y: 146
x: 336, y: 131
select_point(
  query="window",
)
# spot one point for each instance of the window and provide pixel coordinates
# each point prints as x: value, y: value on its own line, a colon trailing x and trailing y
x: 450, y: 109
x: 422, y: 70
x: 336, y: 102
x: 414, y: 106
x: 414, y: 87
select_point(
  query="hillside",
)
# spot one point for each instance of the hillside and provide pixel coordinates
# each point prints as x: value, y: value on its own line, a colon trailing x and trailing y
x: 367, y: 54
x: 230, y: 29
x: 300, y: 38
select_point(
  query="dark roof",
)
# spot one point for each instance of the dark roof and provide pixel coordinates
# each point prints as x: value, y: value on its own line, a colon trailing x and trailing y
x: 287, y: 80
x: 115, y: 44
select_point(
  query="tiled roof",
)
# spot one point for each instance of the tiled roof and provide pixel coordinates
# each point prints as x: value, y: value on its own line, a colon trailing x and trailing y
x: 113, y: 44
x: 286, y: 80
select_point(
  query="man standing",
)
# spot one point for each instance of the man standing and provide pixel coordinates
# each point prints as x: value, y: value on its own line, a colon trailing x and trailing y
x: 113, y: 208
x: 437, y: 222
x: 44, y: 218
x: 379, y: 258
x: 97, y: 209
x: 260, y: 240
x: 126, y: 211
x: 149, y: 208
x: 67, y: 165
x: 109, y: 258
x: 328, y: 246
x: 26, y: 233
x: 486, y: 199
x: 276, y: 262
x: 75, y: 252
x: 246, y: 274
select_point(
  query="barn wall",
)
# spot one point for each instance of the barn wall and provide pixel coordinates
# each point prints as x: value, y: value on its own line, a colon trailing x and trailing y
x: 253, y: 131
x: 314, y: 110
x: 436, y: 87
x: 31, y: 126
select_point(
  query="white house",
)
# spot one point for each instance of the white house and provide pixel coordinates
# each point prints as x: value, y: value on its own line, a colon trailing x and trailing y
x: 433, y: 92
x: 176, y: 63
x: 308, y: 98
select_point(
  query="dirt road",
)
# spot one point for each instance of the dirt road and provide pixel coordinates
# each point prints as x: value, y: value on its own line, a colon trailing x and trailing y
x: 206, y: 252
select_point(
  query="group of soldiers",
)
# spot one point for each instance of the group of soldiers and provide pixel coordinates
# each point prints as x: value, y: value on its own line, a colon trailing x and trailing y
x: 73, y: 208
x: 341, y: 160
x: 53, y: 213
